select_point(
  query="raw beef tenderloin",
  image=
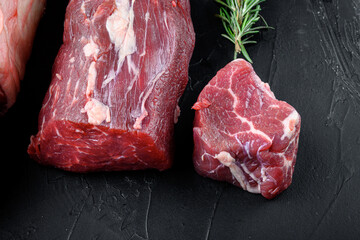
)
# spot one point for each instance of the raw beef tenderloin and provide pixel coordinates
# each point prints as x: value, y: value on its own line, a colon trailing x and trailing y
x: 242, y: 134
x: 18, y: 22
x: 117, y: 79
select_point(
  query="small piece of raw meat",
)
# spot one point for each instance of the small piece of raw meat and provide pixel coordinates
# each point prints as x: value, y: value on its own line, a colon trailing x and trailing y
x: 116, y: 84
x: 18, y: 22
x: 242, y: 134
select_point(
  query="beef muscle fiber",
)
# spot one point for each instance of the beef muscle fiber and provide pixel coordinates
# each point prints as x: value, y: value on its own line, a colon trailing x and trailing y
x: 117, y: 79
x: 18, y: 22
x: 242, y: 134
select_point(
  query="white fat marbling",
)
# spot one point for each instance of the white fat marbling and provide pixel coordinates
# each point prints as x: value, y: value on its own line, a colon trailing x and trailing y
x: 143, y: 112
x: 108, y: 78
x: 244, y: 120
x: 226, y: 159
x: 1, y: 21
x: 97, y: 112
x: 83, y: 7
x: 91, y: 49
x: 91, y: 79
x: 138, y: 121
x: 120, y: 26
x: 289, y: 124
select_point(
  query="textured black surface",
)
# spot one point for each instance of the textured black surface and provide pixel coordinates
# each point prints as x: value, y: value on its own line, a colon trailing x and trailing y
x: 311, y: 60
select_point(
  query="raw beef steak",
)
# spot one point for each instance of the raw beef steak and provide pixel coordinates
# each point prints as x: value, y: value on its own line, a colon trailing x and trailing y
x: 18, y: 23
x: 242, y: 134
x: 117, y: 79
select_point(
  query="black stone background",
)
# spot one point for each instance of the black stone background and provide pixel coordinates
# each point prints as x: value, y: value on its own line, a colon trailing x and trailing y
x: 311, y: 60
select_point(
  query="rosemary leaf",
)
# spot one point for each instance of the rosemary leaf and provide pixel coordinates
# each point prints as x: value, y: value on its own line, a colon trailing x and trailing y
x: 238, y: 18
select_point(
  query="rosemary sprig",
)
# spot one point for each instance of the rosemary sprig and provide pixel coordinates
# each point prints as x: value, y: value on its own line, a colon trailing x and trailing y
x: 238, y: 18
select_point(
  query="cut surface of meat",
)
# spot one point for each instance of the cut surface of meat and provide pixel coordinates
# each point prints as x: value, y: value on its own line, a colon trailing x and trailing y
x: 243, y: 134
x: 18, y: 22
x: 116, y: 84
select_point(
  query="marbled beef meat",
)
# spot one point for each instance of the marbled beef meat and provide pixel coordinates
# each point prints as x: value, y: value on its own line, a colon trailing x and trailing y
x: 117, y: 79
x: 242, y: 134
x: 18, y: 22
